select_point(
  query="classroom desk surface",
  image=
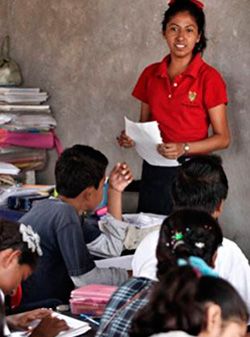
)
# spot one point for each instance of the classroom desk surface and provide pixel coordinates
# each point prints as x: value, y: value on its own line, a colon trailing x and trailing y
x: 10, y: 214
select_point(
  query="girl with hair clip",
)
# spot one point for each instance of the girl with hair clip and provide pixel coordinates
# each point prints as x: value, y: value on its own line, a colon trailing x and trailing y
x: 185, y: 96
x: 185, y: 234
x: 187, y: 302
x: 19, y: 252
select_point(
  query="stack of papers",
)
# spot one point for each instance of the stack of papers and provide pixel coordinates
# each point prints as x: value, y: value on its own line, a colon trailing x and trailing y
x: 22, y: 95
x: 22, y: 191
x: 6, y: 168
x: 21, y: 110
x: 27, y: 121
x: 24, y: 157
x: 146, y: 137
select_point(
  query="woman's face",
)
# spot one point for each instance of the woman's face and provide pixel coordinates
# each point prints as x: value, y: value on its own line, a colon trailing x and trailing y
x: 181, y: 35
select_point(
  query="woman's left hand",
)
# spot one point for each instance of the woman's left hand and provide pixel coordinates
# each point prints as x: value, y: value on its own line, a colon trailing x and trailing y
x: 171, y: 150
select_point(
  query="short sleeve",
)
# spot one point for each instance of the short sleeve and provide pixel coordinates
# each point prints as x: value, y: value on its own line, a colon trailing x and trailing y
x: 140, y: 89
x: 215, y: 90
x: 74, y: 251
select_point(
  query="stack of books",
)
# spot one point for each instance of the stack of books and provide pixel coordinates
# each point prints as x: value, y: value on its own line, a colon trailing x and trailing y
x: 26, y: 127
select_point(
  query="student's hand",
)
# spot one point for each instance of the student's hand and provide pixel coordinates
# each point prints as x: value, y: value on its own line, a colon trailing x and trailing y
x: 120, y: 177
x: 23, y: 320
x: 171, y: 150
x: 49, y: 327
x: 125, y: 141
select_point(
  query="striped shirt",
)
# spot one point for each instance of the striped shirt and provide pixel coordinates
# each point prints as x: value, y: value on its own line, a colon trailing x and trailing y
x: 122, y: 307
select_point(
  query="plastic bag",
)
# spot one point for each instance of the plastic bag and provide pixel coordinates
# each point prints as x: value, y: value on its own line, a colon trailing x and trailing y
x: 10, y: 73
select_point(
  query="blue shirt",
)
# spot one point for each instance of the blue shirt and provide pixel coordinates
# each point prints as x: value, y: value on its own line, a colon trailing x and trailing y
x: 65, y: 253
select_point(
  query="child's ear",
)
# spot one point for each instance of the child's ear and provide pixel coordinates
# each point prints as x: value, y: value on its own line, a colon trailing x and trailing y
x: 218, y: 210
x: 8, y: 256
x: 87, y: 193
x: 214, y: 320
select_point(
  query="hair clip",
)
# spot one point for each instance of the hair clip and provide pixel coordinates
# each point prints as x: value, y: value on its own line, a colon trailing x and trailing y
x: 198, y: 3
x: 31, y: 238
x: 199, y: 245
x: 199, y: 266
x: 178, y: 236
x: 208, y: 228
x: 177, y: 243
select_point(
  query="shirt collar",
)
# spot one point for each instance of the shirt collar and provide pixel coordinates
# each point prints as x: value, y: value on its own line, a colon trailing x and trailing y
x: 192, y: 69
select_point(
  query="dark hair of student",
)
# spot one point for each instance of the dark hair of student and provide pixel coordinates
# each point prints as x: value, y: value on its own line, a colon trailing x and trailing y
x: 200, y: 183
x: 178, y: 302
x: 10, y: 237
x: 196, y: 12
x: 77, y: 168
x: 186, y: 233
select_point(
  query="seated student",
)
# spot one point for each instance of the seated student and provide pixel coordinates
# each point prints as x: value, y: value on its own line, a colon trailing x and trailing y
x: 115, y: 232
x: 19, y: 251
x: 201, y: 183
x: 186, y: 303
x: 66, y: 262
x: 106, y: 237
x: 184, y: 233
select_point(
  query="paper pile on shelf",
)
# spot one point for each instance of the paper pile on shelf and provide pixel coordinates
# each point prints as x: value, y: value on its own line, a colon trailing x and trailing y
x: 26, y: 127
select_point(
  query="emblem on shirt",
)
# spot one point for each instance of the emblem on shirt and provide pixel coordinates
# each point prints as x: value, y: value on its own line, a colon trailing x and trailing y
x: 192, y: 95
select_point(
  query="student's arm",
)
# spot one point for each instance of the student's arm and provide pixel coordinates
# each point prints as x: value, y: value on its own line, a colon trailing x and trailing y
x: 78, y: 261
x: 110, y: 242
x: 111, y: 276
x: 220, y: 139
x: 23, y: 320
x: 120, y: 177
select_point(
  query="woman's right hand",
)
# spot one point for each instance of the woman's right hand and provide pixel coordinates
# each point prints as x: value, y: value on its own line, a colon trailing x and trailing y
x: 125, y: 141
x: 49, y: 327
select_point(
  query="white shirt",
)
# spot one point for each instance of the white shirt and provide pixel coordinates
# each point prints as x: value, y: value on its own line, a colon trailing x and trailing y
x: 172, y: 334
x: 231, y: 264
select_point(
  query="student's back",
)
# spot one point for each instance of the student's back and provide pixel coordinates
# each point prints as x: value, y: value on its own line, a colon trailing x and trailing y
x: 64, y: 251
x: 201, y: 183
x: 66, y: 262
x: 191, y: 300
x: 178, y: 237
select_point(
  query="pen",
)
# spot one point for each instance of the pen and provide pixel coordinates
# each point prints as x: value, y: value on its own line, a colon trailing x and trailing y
x: 89, y: 319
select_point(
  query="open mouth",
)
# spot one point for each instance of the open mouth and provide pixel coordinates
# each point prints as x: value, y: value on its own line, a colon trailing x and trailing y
x: 179, y: 46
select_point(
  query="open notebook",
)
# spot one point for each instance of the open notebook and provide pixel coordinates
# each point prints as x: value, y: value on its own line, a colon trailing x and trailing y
x: 76, y: 326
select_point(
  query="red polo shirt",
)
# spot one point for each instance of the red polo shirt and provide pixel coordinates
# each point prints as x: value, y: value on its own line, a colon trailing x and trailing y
x: 181, y: 106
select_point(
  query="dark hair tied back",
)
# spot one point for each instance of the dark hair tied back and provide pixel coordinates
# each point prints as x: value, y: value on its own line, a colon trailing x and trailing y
x: 179, y: 302
x: 194, y: 8
x: 186, y: 233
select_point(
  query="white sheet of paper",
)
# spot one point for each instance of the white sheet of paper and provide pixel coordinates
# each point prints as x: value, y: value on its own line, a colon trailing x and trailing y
x: 146, y: 137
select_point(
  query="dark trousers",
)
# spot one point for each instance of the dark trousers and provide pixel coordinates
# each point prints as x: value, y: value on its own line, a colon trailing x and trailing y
x: 155, y: 189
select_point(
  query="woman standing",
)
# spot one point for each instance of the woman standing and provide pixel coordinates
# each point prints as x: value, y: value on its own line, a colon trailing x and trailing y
x: 185, y: 96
